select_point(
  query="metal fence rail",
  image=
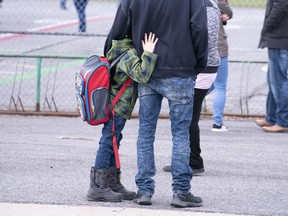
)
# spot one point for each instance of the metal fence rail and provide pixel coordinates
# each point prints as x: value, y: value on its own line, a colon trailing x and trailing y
x: 46, y: 84
x: 41, y: 48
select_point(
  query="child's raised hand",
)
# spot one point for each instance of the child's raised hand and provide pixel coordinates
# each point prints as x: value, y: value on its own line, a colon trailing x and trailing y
x: 149, y: 42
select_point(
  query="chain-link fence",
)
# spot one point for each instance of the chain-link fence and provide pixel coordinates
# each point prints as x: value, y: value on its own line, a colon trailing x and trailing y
x: 42, y: 45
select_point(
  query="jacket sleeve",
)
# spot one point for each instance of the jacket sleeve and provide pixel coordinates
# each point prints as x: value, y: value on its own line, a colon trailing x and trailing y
x: 121, y: 26
x: 225, y: 8
x: 199, y: 33
x: 278, y: 12
x: 139, y: 70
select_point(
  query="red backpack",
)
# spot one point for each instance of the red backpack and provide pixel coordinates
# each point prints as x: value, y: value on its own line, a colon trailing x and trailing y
x: 92, y: 89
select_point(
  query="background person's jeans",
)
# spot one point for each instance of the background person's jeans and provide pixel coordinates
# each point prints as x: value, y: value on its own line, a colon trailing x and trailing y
x: 80, y: 6
x: 105, y: 155
x: 180, y: 93
x: 277, y: 98
x: 220, y: 91
x: 63, y: 4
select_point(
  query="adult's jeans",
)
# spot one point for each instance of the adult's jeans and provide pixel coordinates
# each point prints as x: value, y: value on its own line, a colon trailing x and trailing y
x: 277, y: 99
x: 80, y: 6
x: 105, y: 157
x: 219, y: 85
x: 180, y: 93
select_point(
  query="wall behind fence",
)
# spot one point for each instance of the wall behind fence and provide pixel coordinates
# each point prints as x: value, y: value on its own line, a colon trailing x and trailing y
x: 36, y: 33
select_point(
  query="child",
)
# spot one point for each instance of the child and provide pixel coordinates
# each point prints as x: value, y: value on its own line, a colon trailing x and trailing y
x: 105, y: 182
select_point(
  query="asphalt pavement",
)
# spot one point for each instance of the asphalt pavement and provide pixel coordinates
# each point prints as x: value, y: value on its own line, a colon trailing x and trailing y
x: 45, y: 164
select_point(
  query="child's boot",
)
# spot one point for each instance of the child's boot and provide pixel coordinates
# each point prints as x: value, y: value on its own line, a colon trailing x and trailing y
x: 99, y: 189
x: 115, y: 184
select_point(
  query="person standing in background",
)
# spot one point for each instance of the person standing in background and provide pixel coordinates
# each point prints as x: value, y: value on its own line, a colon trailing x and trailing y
x: 80, y: 6
x: 63, y: 4
x: 274, y: 36
x: 220, y: 82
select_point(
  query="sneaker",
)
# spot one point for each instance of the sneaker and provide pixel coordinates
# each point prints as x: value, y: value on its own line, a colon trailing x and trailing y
x: 221, y: 128
x: 167, y: 168
x: 186, y: 200
x: 142, y: 199
x: 63, y: 7
x: 198, y: 171
x: 195, y: 171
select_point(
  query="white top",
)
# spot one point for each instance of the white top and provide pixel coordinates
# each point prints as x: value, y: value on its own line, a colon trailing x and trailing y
x: 205, y: 80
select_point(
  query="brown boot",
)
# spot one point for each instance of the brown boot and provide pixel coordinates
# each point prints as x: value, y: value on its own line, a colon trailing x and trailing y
x: 115, y: 184
x: 99, y: 189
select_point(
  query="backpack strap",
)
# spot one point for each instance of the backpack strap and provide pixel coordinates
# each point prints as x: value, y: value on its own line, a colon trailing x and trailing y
x: 118, y: 58
x: 127, y: 83
x: 115, y: 145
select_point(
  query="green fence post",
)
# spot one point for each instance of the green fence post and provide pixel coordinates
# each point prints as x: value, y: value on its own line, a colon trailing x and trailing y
x: 38, y: 84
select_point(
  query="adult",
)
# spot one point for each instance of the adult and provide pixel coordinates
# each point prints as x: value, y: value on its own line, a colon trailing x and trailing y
x: 181, y: 27
x: 274, y: 36
x: 80, y: 6
x: 220, y: 82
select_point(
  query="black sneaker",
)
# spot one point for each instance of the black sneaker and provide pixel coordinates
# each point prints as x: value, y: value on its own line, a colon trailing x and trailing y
x: 198, y: 171
x: 142, y: 199
x: 167, y: 168
x: 221, y: 128
x: 195, y: 171
x: 186, y: 200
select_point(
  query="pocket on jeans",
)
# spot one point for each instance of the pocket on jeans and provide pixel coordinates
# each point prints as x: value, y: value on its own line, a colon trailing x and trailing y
x: 181, y: 90
x: 144, y: 89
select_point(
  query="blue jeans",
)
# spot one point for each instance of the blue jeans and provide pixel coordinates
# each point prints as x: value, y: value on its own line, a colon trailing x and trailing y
x: 277, y: 99
x: 220, y: 91
x: 180, y: 93
x: 105, y: 155
x: 63, y: 3
x: 80, y: 6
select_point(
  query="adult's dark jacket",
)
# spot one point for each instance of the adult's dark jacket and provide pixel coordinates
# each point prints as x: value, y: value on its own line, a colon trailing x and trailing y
x: 181, y: 27
x: 275, y: 28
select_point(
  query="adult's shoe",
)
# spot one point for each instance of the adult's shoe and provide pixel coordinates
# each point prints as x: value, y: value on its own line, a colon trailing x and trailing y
x: 262, y: 123
x: 186, y: 200
x: 167, y: 168
x: 63, y: 7
x: 275, y: 128
x: 142, y: 199
x: 198, y: 171
x: 221, y: 128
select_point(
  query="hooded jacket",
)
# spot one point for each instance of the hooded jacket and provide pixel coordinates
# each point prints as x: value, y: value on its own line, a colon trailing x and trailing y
x: 181, y: 27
